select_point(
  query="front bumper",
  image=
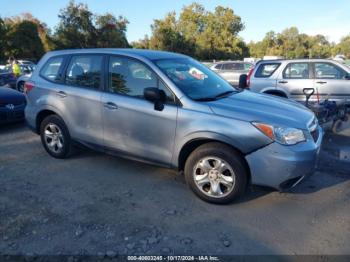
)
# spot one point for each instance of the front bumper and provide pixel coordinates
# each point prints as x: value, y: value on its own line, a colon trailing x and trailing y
x: 12, y: 115
x: 283, y: 167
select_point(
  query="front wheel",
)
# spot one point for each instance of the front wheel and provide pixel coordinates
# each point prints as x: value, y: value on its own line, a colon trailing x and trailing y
x: 55, y: 137
x: 216, y: 173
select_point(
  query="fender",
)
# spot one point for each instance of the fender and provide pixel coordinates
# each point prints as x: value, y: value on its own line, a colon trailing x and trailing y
x: 204, y: 135
x: 53, y: 109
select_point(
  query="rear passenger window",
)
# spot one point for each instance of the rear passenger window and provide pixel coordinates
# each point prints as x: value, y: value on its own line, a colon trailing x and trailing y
x: 130, y: 77
x: 266, y: 70
x: 218, y: 66
x: 51, y: 69
x: 296, y: 71
x: 85, y: 71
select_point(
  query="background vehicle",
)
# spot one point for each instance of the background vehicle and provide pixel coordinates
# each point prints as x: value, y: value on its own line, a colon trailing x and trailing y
x: 231, y: 70
x: 7, y: 79
x: 12, y: 104
x: 170, y: 110
x: 288, y: 78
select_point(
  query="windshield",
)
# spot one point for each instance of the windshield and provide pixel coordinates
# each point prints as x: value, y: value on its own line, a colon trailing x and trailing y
x: 194, y: 79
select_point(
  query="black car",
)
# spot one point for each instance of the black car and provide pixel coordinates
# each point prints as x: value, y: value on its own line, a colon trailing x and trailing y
x: 8, y: 79
x: 12, y: 104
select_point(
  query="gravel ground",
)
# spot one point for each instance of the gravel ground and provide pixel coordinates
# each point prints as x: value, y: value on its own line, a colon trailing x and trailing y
x: 103, y: 205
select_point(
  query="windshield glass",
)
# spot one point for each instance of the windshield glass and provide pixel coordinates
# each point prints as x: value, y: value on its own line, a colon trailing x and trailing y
x: 194, y: 79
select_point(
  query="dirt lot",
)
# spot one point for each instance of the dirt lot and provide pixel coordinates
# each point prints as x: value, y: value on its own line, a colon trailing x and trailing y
x: 99, y: 204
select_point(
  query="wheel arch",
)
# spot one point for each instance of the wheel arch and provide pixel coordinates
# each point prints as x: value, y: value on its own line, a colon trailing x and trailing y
x: 276, y: 92
x: 193, y: 144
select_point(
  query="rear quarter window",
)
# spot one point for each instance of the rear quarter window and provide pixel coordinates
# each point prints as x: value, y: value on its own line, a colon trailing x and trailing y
x: 52, y: 68
x: 266, y: 70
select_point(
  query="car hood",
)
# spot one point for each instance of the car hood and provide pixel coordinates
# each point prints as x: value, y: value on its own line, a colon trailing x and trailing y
x: 8, y: 96
x: 249, y: 106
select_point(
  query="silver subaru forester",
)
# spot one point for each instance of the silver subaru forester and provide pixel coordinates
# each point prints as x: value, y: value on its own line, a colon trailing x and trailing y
x: 168, y: 109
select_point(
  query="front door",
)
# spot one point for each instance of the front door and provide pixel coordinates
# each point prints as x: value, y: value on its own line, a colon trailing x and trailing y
x: 131, y: 124
x: 331, y: 82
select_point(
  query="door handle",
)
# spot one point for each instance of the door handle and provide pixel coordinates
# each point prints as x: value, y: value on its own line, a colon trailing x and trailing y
x: 110, y: 106
x: 283, y: 82
x: 321, y: 82
x: 61, y: 94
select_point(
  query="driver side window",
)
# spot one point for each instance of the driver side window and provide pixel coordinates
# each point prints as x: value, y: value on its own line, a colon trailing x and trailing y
x: 130, y: 77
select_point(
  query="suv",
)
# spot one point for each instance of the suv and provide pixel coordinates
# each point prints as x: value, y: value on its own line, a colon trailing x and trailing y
x: 231, y: 70
x: 168, y: 109
x: 288, y: 78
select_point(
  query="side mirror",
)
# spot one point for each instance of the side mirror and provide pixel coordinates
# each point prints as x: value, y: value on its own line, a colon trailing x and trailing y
x: 242, y: 84
x: 156, y: 96
x: 347, y: 76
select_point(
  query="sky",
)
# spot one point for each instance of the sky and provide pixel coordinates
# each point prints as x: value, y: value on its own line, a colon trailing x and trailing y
x: 328, y: 17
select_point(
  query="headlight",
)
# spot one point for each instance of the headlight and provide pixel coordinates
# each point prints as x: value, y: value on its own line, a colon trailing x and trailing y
x: 282, y: 135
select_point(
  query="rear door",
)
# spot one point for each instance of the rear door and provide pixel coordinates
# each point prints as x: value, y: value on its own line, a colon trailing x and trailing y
x: 294, y: 78
x: 80, y: 97
x: 331, y: 81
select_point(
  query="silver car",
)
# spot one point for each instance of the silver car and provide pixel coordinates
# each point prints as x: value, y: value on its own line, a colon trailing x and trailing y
x: 288, y: 78
x: 231, y: 70
x: 170, y: 110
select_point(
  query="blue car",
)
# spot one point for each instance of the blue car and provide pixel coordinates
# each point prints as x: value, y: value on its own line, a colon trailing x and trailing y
x: 12, y: 104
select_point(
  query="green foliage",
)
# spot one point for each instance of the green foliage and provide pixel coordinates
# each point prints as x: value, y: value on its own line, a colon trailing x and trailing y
x: 199, y: 33
x: 3, y: 32
x: 194, y: 31
x: 23, y: 40
x: 111, y: 31
x: 80, y: 28
x: 291, y: 44
x: 343, y: 47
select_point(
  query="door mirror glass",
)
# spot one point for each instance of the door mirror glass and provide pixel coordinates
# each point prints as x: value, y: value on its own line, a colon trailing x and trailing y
x: 347, y: 76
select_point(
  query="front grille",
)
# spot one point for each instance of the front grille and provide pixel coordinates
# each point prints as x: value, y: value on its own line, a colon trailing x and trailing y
x: 11, y: 115
x: 15, y: 103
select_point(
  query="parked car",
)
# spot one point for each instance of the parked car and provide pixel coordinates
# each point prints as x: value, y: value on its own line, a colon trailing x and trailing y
x: 12, y: 104
x: 8, y: 79
x: 288, y: 78
x: 231, y: 70
x: 170, y: 110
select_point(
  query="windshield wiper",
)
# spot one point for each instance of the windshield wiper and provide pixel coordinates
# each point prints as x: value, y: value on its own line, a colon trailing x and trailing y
x: 225, y: 94
x: 213, y: 98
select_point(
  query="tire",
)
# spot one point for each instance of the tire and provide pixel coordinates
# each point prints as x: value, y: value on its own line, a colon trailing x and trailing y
x: 213, y: 184
x: 60, y: 143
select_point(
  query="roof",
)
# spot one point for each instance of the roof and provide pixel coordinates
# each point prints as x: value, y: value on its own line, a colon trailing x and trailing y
x: 148, y: 54
x: 296, y: 60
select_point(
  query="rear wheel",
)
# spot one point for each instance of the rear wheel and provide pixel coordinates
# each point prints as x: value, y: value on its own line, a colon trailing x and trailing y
x: 55, y: 137
x: 216, y: 173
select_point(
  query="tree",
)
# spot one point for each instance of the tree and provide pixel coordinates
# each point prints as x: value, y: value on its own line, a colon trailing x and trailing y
x: 291, y: 44
x: 75, y: 29
x: 343, y: 47
x: 80, y: 28
x: 199, y: 33
x: 23, y: 40
x: 111, y: 31
x: 3, y: 42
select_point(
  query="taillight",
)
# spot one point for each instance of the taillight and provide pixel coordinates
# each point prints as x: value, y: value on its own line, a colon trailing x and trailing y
x: 249, y: 76
x: 28, y: 86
